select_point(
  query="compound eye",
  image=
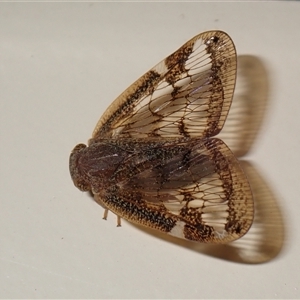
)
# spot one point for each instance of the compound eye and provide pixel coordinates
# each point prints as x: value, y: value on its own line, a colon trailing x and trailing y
x: 79, y: 178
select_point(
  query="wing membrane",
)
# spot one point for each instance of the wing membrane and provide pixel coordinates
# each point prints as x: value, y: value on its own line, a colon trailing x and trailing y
x: 188, y: 94
x: 199, y: 182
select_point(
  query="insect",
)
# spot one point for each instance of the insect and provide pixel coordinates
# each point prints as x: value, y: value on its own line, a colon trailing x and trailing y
x: 153, y: 158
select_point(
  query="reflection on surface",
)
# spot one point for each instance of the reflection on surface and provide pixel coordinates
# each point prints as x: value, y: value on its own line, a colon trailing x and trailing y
x: 248, y: 106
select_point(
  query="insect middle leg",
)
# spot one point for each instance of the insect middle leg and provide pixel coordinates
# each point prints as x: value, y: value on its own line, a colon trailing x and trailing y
x: 106, y: 214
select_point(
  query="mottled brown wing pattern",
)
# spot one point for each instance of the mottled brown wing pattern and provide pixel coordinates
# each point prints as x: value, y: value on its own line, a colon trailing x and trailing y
x: 187, y: 94
x: 152, y: 159
x: 195, y: 186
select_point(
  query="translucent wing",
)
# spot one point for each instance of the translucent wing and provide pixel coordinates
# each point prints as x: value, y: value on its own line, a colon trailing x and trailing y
x: 192, y: 189
x: 188, y: 94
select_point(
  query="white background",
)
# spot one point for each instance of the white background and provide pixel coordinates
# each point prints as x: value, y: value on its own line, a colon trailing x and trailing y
x: 61, y: 65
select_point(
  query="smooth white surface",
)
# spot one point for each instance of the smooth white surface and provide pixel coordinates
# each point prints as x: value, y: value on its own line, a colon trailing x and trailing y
x: 61, y: 65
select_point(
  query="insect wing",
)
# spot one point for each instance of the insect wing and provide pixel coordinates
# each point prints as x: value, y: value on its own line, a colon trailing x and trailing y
x: 193, y: 189
x: 187, y: 94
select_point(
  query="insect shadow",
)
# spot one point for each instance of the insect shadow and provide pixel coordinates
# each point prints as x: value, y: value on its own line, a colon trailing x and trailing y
x: 265, y: 239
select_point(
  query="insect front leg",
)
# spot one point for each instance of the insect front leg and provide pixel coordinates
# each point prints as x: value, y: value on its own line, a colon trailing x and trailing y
x: 106, y: 210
